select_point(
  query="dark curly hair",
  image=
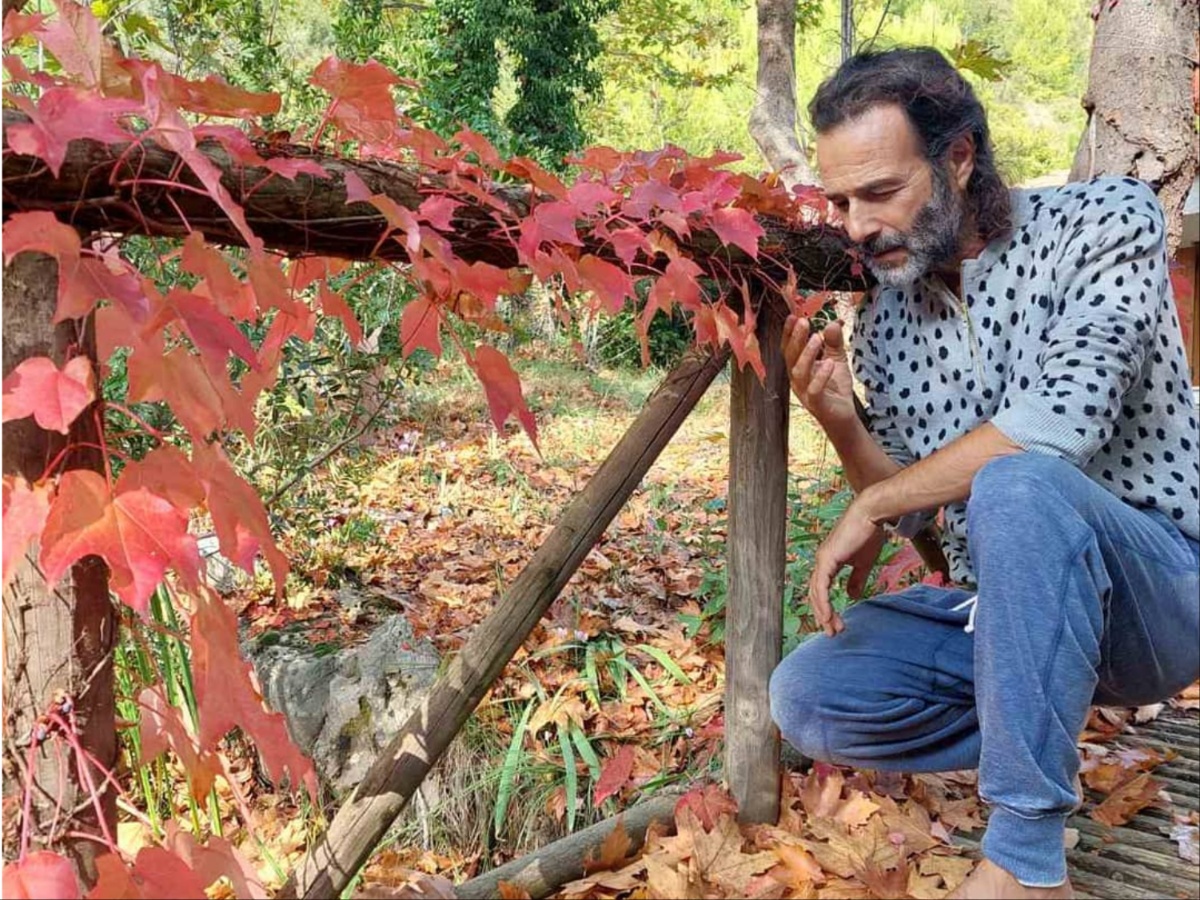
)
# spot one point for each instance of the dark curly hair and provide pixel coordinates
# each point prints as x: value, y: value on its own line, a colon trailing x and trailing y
x: 941, y: 106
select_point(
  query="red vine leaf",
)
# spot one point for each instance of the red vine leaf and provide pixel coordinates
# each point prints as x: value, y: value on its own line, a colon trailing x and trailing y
x: 161, y: 728
x: 503, y: 389
x: 419, y: 325
x: 41, y: 232
x: 215, y: 858
x: 41, y: 874
x: 609, y: 283
x: 362, y: 106
x: 239, y: 517
x: 17, y: 25
x: 25, y: 510
x: 214, y: 335
x: 54, y: 397
x: 737, y: 226
x: 155, y: 873
x: 75, y: 40
x: 230, y: 294
x: 333, y: 304
x: 556, y: 222
x: 226, y: 696
x: 165, y: 471
x: 138, y: 533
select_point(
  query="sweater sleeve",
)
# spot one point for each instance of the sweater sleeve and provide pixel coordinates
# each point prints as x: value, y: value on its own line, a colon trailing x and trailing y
x: 881, y: 423
x: 1110, y: 277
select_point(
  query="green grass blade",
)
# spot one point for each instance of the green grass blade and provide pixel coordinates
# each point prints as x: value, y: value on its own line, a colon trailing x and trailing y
x: 508, y: 772
x: 586, y: 753
x: 645, y: 686
x: 661, y: 657
x: 592, y: 676
x: 572, y: 777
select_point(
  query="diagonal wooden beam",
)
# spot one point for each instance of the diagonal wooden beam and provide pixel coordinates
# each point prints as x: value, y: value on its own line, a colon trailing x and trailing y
x: 389, y: 784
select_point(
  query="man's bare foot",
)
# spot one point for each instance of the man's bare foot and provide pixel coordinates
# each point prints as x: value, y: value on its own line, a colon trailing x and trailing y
x: 990, y: 882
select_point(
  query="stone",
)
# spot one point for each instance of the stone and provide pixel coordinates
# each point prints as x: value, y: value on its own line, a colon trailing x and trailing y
x: 342, y: 708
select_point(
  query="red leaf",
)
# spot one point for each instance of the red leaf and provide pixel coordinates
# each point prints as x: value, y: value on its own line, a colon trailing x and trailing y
x: 419, y: 325
x: 214, y: 96
x: 487, y: 282
x: 215, y: 858
x: 239, y: 517
x: 179, y: 378
x: 92, y: 280
x: 614, y: 775
x: 503, y: 389
x: 138, y: 533
x: 54, y: 398
x: 610, y: 283
x: 42, y: 232
x: 356, y: 189
x: 362, y: 106
x: 165, y: 471
x: 587, y: 196
x: 230, y: 294
x: 62, y: 115
x: 289, y: 168
x: 438, y: 211
x: 155, y: 873
x: 709, y: 804
x: 215, y: 335
x: 333, y: 304
x: 226, y: 696
x: 627, y: 242
x: 556, y: 222
x: 480, y: 146
x: 41, y: 874
x: 75, y: 40
x: 161, y: 728
x: 524, y: 167
x: 895, y: 573
x: 737, y: 226
x: 17, y: 25
x: 25, y: 510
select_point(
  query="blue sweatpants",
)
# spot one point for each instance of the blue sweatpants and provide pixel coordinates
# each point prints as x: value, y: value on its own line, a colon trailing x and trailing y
x: 1082, y: 599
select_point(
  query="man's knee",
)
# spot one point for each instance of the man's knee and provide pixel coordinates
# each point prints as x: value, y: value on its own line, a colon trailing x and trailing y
x: 797, y: 700
x: 1016, y: 483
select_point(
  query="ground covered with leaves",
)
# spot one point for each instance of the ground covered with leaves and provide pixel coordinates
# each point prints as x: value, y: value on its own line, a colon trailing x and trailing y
x: 618, y: 692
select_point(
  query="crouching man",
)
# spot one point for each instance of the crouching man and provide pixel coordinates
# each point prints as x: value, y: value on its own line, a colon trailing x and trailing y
x: 1024, y: 372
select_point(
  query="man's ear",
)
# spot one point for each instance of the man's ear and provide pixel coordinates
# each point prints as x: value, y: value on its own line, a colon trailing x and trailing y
x: 961, y: 159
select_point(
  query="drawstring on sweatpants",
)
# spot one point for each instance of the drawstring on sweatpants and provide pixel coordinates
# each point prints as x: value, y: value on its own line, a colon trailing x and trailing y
x: 971, y: 603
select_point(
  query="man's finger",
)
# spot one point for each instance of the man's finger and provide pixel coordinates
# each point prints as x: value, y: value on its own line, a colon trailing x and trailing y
x: 794, y: 338
x: 857, y: 581
x: 835, y: 340
x: 820, y: 379
x: 818, y: 596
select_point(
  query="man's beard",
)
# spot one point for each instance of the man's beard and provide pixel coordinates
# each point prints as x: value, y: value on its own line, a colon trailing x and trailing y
x: 934, y: 238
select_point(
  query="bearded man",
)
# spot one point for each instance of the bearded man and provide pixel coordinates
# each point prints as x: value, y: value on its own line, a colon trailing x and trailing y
x: 1024, y: 372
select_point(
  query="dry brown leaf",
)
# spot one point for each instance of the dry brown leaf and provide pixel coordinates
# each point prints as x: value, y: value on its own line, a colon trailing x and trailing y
x: 665, y: 882
x: 835, y: 850
x: 420, y: 887
x: 953, y: 870
x: 856, y: 810
x: 821, y: 795
x: 842, y: 889
x: 798, y: 869
x: 718, y: 855
x: 1188, y: 698
x: 613, y: 850
x: 925, y: 887
x: 1127, y: 800
x: 506, y: 890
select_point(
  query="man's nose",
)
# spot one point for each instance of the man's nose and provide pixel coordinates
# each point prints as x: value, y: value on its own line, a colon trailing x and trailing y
x: 860, y: 224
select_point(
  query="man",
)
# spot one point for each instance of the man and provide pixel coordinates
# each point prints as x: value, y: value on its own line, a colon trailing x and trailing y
x: 1024, y: 371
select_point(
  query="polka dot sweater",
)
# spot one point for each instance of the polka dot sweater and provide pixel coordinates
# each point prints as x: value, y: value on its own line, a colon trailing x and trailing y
x: 1066, y: 339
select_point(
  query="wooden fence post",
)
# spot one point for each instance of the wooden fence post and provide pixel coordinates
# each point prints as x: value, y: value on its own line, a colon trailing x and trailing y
x: 756, y: 562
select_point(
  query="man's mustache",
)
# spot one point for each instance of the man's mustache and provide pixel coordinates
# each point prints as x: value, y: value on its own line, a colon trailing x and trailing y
x: 884, y: 243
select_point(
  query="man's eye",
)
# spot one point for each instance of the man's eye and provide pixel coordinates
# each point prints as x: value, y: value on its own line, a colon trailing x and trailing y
x: 880, y: 195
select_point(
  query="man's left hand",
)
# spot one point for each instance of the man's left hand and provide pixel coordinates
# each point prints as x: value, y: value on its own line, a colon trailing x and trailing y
x: 856, y: 542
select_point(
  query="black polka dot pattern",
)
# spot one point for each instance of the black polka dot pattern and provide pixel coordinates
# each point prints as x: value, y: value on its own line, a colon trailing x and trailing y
x: 1066, y: 339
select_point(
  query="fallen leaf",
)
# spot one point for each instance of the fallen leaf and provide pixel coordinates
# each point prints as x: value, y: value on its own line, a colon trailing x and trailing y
x: 613, y: 850
x: 1188, y: 839
x: 1127, y: 800
x: 614, y: 774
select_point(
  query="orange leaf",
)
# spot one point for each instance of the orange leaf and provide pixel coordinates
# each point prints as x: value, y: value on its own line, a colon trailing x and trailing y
x: 54, y: 398
x: 165, y: 471
x: 41, y: 874
x: 614, y: 774
x: 226, y: 697
x: 503, y: 389
x: 161, y: 728
x: 333, y: 304
x: 614, y: 849
x: 138, y: 533
x: 362, y: 106
x: 155, y: 873
x: 25, y: 511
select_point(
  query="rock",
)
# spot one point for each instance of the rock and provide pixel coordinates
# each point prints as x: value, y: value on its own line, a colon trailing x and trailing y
x: 221, y: 574
x: 343, y: 707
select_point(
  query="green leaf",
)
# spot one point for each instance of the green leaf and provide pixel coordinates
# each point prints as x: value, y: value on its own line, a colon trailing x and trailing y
x: 981, y: 59
x: 572, y: 778
x: 508, y: 772
x: 664, y: 660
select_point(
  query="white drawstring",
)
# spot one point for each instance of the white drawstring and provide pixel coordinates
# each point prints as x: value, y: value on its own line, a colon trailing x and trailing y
x: 973, y: 604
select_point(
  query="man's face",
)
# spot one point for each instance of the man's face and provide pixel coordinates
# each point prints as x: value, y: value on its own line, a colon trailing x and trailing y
x: 905, y: 215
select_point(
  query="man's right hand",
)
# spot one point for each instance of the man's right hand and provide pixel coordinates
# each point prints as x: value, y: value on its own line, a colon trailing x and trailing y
x: 820, y: 371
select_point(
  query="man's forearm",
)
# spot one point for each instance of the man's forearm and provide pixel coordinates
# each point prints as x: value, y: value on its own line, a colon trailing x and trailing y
x: 863, y: 460
x: 940, y: 478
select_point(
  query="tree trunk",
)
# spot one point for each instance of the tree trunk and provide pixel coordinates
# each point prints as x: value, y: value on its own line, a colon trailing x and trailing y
x: 757, y: 554
x: 60, y: 639
x: 773, y: 119
x: 847, y: 31
x: 1139, y: 101
x: 99, y: 189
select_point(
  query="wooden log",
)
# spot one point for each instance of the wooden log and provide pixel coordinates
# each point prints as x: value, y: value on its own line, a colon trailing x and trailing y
x: 757, y: 558
x: 549, y: 868
x: 111, y: 188
x: 364, y: 818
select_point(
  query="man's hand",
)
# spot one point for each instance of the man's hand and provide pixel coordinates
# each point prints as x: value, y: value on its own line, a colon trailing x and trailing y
x: 819, y: 371
x: 856, y: 542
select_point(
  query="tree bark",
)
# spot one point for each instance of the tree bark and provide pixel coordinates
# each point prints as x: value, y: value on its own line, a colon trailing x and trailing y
x: 99, y: 189
x: 773, y: 119
x: 545, y: 870
x: 757, y: 559
x: 61, y: 638
x: 1139, y: 101
x: 389, y: 784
